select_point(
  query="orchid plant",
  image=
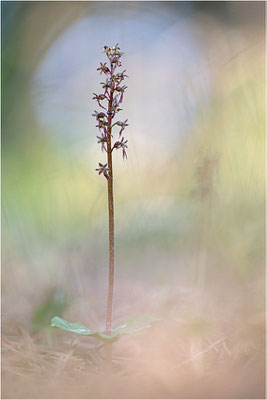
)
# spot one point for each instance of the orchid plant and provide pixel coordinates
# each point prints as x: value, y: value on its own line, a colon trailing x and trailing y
x: 110, y: 101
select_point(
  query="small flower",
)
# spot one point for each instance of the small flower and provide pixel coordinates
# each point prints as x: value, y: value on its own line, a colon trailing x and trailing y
x: 103, y: 169
x: 120, y: 88
x: 98, y: 98
x: 107, y: 50
x: 120, y: 76
x: 113, y: 53
x: 121, y: 145
x: 103, y: 140
x: 122, y: 125
x: 115, y: 60
x: 115, y: 106
x: 106, y: 85
x: 99, y: 115
x: 103, y: 68
x: 103, y: 125
x: 124, y: 147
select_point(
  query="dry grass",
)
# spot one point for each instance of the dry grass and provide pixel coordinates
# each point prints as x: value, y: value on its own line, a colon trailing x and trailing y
x: 180, y: 358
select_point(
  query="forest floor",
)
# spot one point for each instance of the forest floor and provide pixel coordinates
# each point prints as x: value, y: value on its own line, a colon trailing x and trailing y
x: 218, y: 354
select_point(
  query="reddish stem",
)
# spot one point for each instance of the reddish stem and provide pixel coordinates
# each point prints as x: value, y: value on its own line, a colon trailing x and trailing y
x: 110, y: 218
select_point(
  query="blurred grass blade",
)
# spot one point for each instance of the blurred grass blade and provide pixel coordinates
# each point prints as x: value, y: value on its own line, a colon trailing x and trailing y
x: 136, y: 324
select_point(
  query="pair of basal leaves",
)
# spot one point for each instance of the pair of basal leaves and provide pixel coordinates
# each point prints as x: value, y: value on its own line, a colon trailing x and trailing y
x: 132, y: 326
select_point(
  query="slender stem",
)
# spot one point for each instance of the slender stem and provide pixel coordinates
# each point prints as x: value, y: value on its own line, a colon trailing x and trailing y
x: 108, y: 353
x: 111, y: 222
x: 113, y: 94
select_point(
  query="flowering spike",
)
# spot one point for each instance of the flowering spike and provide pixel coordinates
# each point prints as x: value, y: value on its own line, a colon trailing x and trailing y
x: 109, y: 101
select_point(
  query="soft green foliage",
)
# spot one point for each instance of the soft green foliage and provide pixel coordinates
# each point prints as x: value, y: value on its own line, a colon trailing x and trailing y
x: 132, y: 326
x: 55, y: 302
x: 80, y: 329
x: 197, y: 326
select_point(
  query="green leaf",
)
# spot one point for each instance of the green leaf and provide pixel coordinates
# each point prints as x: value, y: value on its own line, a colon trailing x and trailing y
x: 132, y: 326
x: 76, y: 327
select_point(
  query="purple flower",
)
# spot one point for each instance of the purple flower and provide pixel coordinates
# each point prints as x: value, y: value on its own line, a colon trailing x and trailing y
x: 122, y: 125
x: 114, y: 54
x: 103, y: 125
x: 106, y: 85
x: 103, y: 140
x: 98, y: 98
x: 121, y: 145
x: 120, y: 76
x: 103, y: 68
x: 99, y: 115
x: 115, y: 106
x: 103, y: 169
x: 120, y: 88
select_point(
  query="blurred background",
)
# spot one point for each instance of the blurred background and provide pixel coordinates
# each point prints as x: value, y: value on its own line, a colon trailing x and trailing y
x: 189, y: 201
